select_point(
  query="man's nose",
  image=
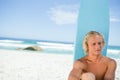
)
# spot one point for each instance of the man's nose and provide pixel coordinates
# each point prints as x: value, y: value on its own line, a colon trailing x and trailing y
x: 98, y: 46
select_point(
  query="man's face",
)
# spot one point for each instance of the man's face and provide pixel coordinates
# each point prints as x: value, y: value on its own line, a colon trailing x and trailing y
x: 95, y: 45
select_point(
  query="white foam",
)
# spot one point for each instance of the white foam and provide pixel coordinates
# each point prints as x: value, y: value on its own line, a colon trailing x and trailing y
x: 55, y: 44
x: 10, y: 41
x: 13, y: 45
x: 113, y: 51
x: 62, y: 46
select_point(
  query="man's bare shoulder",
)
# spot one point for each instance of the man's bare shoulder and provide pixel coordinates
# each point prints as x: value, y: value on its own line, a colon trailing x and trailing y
x: 80, y: 63
x: 108, y: 60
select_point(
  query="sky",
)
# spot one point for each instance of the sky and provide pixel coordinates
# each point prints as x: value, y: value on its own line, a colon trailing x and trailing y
x: 53, y: 20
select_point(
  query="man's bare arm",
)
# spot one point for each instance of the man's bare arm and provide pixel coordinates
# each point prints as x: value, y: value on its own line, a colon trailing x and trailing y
x: 76, y: 72
x: 110, y: 74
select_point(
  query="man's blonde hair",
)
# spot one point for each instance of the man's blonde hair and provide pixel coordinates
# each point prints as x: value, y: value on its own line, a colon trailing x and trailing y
x: 88, y: 35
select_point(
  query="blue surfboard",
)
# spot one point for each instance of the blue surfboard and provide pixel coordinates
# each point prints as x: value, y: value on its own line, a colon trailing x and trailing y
x: 93, y: 16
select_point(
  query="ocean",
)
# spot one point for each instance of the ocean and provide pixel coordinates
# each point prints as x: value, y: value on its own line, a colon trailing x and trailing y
x: 49, y: 46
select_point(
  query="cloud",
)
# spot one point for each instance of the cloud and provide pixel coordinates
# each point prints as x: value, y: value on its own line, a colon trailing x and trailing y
x: 113, y: 19
x: 64, y: 14
x: 67, y: 14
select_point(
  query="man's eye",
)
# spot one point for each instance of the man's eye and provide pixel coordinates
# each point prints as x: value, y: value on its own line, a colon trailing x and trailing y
x: 94, y: 44
x: 99, y: 43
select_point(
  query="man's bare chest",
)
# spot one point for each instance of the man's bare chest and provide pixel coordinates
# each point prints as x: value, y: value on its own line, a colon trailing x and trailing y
x: 98, y: 69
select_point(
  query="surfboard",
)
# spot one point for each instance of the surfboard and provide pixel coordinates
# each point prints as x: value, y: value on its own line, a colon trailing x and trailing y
x: 93, y: 16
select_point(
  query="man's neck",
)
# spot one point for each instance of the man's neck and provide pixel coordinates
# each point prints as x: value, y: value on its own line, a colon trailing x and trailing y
x: 94, y: 58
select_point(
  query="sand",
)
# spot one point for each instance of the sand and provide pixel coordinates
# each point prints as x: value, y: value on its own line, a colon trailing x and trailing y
x: 24, y: 65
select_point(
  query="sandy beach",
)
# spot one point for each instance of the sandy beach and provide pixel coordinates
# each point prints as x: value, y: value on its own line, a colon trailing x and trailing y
x: 24, y: 65
x: 21, y: 65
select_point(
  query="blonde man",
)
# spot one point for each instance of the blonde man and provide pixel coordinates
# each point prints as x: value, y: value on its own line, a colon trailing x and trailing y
x: 93, y: 66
